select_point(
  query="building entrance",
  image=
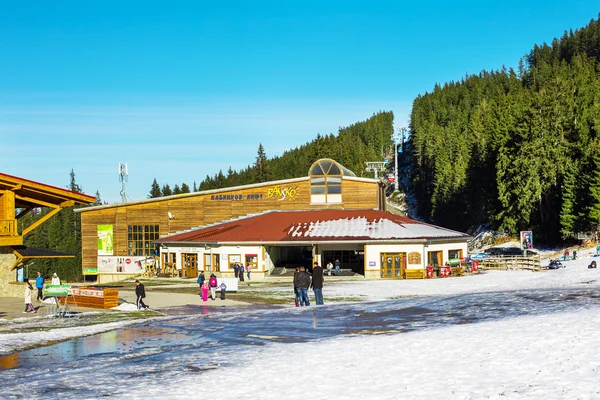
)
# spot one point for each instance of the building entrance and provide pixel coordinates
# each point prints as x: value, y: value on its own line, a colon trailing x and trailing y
x: 349, y: 259
x: 393, y: 265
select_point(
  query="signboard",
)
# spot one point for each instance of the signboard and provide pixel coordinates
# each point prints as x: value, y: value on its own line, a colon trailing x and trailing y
x: 279, y: 193
x: 129, y: 265
x: 526, y: 240
x: 90, y: 271
x: 372, y: 263
x: 56, y: 290
x: 105, y: 240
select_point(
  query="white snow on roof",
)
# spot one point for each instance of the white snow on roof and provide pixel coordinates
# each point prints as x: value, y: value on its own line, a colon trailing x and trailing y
x: 361, y: 227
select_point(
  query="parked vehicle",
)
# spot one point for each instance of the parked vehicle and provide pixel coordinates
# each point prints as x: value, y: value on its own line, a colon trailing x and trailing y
x: 555, y: 264
x: 478, y: 256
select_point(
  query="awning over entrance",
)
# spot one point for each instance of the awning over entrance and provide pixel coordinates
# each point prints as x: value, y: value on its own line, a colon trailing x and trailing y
x: 25, y: 254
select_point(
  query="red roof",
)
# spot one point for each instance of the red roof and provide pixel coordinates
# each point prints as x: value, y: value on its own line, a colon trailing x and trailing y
x: 310, y: 226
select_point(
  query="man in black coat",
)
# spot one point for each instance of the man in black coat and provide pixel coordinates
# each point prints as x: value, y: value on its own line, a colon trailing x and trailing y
x: 140, y: 292
x: 317, y: 283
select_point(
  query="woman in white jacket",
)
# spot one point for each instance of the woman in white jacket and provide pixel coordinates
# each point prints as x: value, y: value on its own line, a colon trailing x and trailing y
x: 55, y: 279
x: 28, y: 305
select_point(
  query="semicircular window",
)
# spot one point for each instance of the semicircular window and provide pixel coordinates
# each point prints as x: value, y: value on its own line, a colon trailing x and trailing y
x: 326, y: 182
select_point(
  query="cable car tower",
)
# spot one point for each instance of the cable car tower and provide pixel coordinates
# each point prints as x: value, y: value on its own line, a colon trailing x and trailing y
x: 123, y: 178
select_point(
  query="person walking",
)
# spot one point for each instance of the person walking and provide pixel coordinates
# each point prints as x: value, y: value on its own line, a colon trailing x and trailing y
x: 338, y: 267
x: 212, y: 284
x: 55, y: 279
x: 236, y: 269
x: 302, y: 282
x: 296, y: 292
x: 248, y: 269
x: 39, y: 284
x: 317, y: 283
x: 140, y: 292
x: 241, y: 273
x: 29, y: 308
x: 200, y: 281
x: 329, y: 268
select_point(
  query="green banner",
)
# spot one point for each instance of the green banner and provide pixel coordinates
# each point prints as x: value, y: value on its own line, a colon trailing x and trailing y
x: 105, y: 240
x: 90, y: 271
x: 56, y: 290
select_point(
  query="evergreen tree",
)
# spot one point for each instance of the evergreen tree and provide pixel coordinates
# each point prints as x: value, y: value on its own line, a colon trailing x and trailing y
x: 154, y: 190
x: 260, y: 166
x: 176, y: 189
x: 185, y: 188
x: 166, y: 190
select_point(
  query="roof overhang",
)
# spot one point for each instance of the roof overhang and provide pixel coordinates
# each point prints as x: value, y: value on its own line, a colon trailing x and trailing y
x: 26, y: 254
x: 31, y: 194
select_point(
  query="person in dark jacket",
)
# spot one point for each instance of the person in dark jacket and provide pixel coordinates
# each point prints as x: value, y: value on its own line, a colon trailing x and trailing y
x: 317, y: 283
x: 140, y: 292
x: 302, y: 282
x: 200, y: 281
x: 296, y: 293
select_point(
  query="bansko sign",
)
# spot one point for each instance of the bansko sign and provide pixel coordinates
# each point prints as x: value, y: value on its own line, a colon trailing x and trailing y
x: 275, y: 192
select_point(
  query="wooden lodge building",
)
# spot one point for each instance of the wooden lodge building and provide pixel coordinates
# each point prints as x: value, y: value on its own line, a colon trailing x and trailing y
x: 327, y: 215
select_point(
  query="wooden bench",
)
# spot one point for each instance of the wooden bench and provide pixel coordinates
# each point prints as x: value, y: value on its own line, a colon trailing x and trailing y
x: 414, y: 274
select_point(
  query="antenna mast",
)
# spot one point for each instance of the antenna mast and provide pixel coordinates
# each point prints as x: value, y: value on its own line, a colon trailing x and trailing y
x: 123, y: 178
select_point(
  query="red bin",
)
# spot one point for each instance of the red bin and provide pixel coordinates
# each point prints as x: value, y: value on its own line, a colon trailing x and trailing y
x: 430, y: 272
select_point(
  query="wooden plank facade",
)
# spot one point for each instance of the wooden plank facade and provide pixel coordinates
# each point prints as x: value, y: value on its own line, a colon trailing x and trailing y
x: 177, y: 213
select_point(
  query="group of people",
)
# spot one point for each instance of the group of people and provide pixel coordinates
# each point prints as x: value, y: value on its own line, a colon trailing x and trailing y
x: 238, y: 270
x: 338, y: 268
x: 211, y: 285
x: 39, y: 285
x: 304, y: 281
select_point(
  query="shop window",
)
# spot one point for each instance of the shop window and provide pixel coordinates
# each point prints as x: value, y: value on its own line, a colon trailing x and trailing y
x: 325, y: 182
x: 434, y: 258
x: 455, y: 254
x: 234, y: 259
x: 140, y: 238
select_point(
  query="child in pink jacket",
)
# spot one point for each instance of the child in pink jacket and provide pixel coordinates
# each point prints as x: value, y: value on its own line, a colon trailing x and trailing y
x: 204, y: 291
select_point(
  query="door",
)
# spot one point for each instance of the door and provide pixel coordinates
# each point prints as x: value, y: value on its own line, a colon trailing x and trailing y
x: 393, y: 265
x: 216, y: 263
x: 212, y: 262
x: 190, y: 264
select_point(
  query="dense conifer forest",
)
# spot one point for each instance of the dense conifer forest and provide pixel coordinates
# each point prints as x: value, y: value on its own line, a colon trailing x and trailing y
x: 517, y: 149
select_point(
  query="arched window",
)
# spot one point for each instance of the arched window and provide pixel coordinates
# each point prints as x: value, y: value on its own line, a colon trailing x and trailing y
x: 326, y: 182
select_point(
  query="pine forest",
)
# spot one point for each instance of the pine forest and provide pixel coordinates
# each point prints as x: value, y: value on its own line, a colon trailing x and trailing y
x: 518, y: 150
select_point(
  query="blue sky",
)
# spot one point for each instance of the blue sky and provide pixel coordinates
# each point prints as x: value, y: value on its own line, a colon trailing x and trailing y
x: 179, y: 90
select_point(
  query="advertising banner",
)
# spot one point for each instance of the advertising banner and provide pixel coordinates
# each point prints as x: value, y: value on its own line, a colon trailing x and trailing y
x: 105, y: 240
x: 526, y: 240
x: 129, y: 265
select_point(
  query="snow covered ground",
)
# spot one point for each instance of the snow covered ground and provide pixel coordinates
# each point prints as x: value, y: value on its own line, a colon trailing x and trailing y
x: 532, y: 353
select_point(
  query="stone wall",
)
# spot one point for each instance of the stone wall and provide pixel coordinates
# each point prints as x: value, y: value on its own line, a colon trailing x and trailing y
x: 7, y: 260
